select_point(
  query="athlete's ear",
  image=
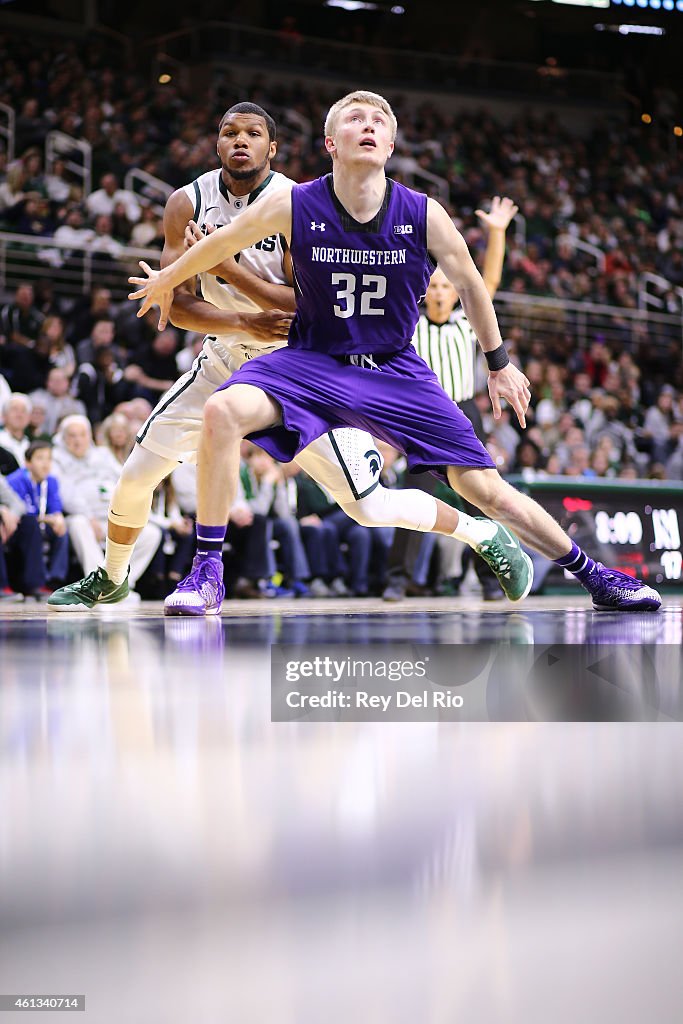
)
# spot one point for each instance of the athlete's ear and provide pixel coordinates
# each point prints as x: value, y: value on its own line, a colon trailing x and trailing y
x: 330, y: 145
x: 272, y: 151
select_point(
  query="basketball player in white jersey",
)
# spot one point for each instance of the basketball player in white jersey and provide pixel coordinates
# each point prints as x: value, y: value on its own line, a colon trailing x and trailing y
x: 245, y: 309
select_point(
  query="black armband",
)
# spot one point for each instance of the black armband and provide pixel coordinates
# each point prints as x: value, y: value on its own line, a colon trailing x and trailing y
x: 497, y: 358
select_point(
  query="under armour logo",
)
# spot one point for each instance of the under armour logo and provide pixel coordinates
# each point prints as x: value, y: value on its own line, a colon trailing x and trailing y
x: 317, y: 227
x: 375, y: 460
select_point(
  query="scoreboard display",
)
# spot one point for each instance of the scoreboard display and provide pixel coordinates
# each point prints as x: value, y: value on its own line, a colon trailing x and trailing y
x: 632, y: 526
x: 638, y: 5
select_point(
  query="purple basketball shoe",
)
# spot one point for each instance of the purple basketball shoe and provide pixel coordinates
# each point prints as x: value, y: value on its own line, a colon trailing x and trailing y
x: 200, y: 593
x: 615, y: 591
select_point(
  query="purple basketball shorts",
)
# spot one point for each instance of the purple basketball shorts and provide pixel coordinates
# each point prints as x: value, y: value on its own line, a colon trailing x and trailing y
x: 400, y: 402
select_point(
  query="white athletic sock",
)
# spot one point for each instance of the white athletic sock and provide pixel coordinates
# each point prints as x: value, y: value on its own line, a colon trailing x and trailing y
x: 473, y: 531
x: 117, y: 560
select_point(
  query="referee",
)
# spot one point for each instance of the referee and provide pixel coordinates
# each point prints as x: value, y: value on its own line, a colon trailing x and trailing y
x: 447, y: 343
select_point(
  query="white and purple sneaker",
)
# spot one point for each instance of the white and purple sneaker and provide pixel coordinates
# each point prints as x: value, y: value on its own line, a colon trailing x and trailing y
x: 201, y: 592
x: 612, y: 590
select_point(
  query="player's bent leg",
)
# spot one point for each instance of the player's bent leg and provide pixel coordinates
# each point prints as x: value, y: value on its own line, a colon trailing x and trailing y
x: 416, y: 510
x: 609, y: 589
x: 346, y: 464
x: 496, y: 545
x: 497, y: 499
x: 410, y: 509
x: 131, y: 501
x: 229, y: 415
x: 128, y: 515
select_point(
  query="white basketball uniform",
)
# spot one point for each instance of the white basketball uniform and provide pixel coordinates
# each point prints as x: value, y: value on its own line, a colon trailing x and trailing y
x: 344, y: 461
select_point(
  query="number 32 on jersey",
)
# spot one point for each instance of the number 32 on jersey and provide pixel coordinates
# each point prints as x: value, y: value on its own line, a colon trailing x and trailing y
x: 372, y: 288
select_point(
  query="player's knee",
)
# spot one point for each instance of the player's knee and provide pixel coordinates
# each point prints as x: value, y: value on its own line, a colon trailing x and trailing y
x: 222, y: 416
x: 144, y: 470
x: 370, y: 510
x: 410, y: 509
x: 131, y: 477
x: 483, y: 489
x: 355, y: 511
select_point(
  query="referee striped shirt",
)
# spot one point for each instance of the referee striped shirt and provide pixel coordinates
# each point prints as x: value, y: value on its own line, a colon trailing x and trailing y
x: 450, y: 349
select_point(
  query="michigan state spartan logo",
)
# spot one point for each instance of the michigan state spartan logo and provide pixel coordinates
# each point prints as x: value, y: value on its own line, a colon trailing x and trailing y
x: 375, y: 461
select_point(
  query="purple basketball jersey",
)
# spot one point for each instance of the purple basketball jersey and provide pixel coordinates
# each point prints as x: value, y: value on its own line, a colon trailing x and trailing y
x: 358, y: 286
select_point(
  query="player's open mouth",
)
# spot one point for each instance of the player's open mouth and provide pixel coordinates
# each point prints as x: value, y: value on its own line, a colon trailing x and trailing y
x: 369, y: 142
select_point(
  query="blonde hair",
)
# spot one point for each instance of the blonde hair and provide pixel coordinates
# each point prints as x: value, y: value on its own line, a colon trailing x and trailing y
x: 105, y: 428
x: 360, y: 96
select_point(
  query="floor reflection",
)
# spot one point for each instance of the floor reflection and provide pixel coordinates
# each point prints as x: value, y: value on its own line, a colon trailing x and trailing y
x: 173, y: 854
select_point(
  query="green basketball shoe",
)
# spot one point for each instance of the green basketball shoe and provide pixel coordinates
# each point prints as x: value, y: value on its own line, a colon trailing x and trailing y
x: 85, y: 594
x: 512, y: 566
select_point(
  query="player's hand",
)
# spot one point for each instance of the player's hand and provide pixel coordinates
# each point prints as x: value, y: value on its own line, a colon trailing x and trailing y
x: 153, y: 291
x: 229, y: 270
x: 270, y: 325
x: 501, y: 213
x: 193, y: 234
x: 510, y: 384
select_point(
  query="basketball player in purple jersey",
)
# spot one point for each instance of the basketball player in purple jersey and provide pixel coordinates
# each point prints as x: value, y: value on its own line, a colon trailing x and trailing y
x: 363, y: 249
x: 344, y: 462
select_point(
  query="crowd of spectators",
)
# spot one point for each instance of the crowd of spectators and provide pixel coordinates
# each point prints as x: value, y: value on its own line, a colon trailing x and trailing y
x: 618, y: 188
x: 609, y: 409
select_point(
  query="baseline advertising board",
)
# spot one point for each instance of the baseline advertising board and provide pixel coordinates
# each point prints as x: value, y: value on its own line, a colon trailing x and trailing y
x: 633, y: 526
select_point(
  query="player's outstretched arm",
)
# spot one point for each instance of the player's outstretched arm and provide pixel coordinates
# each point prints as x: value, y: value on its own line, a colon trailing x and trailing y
x: 497, y: 221
x: 272, y: 215
x: 448, y: 248
x: 190, y: 311
x: 266, y: 294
